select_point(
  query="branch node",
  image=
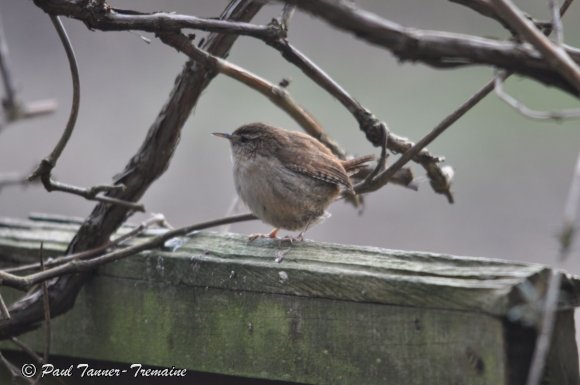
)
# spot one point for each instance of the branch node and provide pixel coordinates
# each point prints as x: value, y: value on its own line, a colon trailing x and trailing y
x: 375, y: 131
x: 277, y: 30
x: 93, y: 12
x: 284, y: 83
x: 440, y: 180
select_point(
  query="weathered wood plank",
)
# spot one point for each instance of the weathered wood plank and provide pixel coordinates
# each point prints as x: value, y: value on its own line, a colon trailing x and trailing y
x: 283, y: 337
x: 361, y: 274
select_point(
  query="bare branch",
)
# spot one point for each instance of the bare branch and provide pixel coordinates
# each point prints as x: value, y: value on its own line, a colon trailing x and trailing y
x: 44, y: 169
x: 4, y: 313
x: 77, y: 265
x: 14, y: 371
x: 87, y: 193
x: 485, y: 8
x: 445, y: 175
x: 564, y: 9
x: 551, y: 300
x: 368, y: 180
x: 375, y: 130
x: 556, y: 22
x: 287, y: 13
x: 13, y: 108
x: 155, y: 220
x: 276, y: 94
x: 150, y: 161
x: 52, y: 158
x: 439, y: 49
x: 107, y: 18
x: 33, y: 109
x: 570, y: 213
x: 555, y: 56
x: 524, y: 110
x: 46, y: 305
x: 9, y: 102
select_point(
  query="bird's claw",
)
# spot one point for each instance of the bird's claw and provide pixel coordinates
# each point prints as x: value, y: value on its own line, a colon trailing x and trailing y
x: 272, y: 235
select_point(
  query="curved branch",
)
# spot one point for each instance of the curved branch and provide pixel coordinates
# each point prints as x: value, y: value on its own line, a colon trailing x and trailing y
x: 142, y: 170
x: 97, y: 15
x: 375, y: 130
x: 49, y: 162
x: 435, y: 48
x: 555, y: 56
x: 276, y: 94
x: 74, y: 264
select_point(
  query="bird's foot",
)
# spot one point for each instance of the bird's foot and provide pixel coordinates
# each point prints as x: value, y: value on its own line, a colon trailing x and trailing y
x: 298, y: 238
x: 272, y: 235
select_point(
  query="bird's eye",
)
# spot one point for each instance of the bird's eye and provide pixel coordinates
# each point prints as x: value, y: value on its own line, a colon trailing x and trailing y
x: 244, y: 139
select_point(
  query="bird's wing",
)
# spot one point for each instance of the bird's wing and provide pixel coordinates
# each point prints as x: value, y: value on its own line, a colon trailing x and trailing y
x: 307, y: 156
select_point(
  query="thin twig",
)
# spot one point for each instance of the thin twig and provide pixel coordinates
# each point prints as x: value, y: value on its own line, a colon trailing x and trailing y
x: 46, y: 305
x: 445, y: 176
x: 50, y: 161
x: 26, y: 349
x: 14, y: 371
x: 554, y: 55
x: 13, y: 108
x: 435, y: 48
x: 375, y: 130
x: 564, y: 8
x: 44, y: 169
x: 566, y: 240
x: 276, y: 94
x: 380, y: 166
x: 287, y: 13
x: 9, y: 102
x: 155, y: 220
x: 142, y: 169
x: 519, y: 106
x: 526, y: 111
x: 556, y: 22
x: 77, y: 265
x: 439, y: 49
x: 485, y: 8
x: 89, y: 193
x: 4, y: 312
x: 107, y: 18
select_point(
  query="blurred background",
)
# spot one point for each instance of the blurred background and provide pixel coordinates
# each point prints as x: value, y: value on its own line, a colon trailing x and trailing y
x: 512, y: 174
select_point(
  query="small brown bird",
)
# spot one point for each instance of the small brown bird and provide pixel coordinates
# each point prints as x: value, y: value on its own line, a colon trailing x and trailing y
x: 287, y: 178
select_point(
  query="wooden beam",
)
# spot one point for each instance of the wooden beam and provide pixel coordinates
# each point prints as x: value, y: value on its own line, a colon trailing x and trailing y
x: 328, y: 314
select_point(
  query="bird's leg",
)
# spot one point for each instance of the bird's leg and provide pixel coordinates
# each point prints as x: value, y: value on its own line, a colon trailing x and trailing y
x: 272, y: 235
x: 299, y: 237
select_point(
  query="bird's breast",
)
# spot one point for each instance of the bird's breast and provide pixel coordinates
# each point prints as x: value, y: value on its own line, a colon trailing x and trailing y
x: 280, y: 196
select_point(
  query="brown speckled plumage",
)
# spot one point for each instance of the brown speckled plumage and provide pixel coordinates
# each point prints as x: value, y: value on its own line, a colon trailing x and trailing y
x: 286, y: 178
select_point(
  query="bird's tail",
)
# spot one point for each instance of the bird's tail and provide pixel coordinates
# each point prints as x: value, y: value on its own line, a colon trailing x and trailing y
x: 353, y: 165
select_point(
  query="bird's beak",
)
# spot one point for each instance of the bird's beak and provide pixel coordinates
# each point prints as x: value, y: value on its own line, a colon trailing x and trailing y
x: 222, y: 135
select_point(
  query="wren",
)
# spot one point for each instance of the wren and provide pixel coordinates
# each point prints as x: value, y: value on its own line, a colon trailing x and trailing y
x: 287, y: 178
